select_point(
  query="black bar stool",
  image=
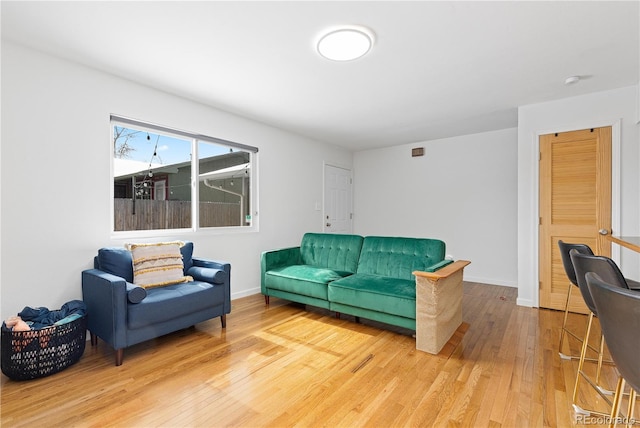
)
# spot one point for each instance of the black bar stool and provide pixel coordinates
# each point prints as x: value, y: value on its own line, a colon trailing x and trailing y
x: 619, y: 315
x: 608, y: 270
x: 571, y: 274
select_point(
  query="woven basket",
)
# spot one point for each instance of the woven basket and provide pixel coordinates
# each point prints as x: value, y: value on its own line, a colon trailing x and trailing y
x: 38, y: 353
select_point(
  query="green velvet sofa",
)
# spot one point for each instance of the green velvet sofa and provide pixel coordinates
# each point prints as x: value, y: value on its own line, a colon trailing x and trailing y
x: 369, y: 277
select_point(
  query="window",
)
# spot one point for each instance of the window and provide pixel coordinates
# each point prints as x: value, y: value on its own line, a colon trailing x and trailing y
x: 169, y: 179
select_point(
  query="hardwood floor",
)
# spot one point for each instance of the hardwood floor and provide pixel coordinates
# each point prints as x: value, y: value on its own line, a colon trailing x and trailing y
x: 283, y: 365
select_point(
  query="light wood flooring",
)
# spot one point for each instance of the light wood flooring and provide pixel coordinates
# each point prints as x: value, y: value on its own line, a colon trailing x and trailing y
x: 284, y: 365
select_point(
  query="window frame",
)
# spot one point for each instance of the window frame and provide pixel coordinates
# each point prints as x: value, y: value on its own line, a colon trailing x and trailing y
x: 194, y: 140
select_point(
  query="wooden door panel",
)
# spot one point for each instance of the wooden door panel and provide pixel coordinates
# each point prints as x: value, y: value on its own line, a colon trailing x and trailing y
x: 575, y: 203
x: 573, y: 195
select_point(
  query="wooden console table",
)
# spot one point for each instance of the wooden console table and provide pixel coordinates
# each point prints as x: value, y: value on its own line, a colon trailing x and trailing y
x: 438, y: 306
x: 630, y: 242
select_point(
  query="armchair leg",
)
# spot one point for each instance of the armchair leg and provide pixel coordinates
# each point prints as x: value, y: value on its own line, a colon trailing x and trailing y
x: 119, y: 356
x: 223, y: 319
x: 338, y: 315
x: 94, y: 339
x: 266, y: 300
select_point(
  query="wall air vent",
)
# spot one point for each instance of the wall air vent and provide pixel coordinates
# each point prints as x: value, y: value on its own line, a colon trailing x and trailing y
x: 418, y: 151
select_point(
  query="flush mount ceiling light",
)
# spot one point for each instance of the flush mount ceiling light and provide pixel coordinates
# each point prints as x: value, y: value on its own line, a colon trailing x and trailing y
x: 345, y: 43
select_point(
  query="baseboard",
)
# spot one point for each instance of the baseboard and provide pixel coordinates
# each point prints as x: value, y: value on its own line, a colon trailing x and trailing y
x: 245, y: 293
x: 488, y: 281
x: 525, y: 302
x: 519, y: 301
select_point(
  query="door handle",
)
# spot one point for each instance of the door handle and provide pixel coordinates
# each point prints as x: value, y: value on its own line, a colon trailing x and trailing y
x: 603, y: 232
x: 328, y: 224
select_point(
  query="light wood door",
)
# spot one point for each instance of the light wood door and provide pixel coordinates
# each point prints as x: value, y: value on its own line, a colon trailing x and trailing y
x: 575, y: 205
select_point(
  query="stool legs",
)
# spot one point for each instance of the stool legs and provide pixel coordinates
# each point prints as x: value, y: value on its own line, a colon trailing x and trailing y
x: 581, y: 374
x: 617, y: 401
x: 632, y: 407
x: 564, y: 330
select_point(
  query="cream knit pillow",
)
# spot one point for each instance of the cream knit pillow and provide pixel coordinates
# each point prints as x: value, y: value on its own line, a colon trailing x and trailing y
x: 157, y: 264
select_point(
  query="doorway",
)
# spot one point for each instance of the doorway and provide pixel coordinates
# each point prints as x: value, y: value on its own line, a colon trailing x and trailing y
x: 574, y: 204
x: 337, y: 216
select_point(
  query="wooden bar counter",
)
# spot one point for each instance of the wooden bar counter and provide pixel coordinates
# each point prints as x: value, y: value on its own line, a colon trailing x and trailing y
x: 630, y: 242
x: 438, y: 306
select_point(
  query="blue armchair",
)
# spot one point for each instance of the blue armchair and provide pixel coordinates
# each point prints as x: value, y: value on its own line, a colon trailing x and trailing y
x: 124, y: 314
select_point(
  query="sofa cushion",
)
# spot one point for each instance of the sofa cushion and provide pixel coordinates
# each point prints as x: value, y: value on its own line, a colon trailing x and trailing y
x: 377, y: 293
x: 173, y: 301
x: 302, y: 279
x: 333, y: 251
x: 399, y: 257
x: 116, y: 261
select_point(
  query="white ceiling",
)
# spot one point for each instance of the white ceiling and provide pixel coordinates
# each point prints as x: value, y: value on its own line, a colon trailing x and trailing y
x: 437, y: 69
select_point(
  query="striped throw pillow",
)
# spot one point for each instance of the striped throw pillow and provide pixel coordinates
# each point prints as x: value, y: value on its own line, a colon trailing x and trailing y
x: 157, y: 264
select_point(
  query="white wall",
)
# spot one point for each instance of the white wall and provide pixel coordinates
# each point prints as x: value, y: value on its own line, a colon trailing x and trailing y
x: 616, y: 108
x: 463, y: 191
x: 55, y: 176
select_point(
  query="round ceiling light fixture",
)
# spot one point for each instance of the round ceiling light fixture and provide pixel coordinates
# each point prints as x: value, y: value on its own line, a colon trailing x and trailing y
x: 345, y: 43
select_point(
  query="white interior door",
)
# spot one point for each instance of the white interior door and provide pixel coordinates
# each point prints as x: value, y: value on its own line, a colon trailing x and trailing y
x: 337, y: 213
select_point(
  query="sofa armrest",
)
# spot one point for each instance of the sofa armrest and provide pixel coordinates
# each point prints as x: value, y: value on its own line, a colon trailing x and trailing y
x: 106, y: 298
x: 276, y: 258
x: 445, y: 271
x: 438, y: 306
x: 282, y: 257
x: 436, y: 266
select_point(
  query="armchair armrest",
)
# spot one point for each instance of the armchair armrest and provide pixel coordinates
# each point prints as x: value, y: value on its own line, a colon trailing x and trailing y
x: 272, y: 259
x: 203, y: 267
x: 106, y: 298
x: 213, y: 264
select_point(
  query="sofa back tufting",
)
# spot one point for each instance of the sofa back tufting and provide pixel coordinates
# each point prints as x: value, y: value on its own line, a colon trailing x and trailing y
x: 333, y: 251
x: 399, y: 257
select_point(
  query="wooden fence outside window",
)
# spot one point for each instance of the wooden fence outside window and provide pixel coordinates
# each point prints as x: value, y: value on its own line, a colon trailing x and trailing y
x: 154, y: 214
